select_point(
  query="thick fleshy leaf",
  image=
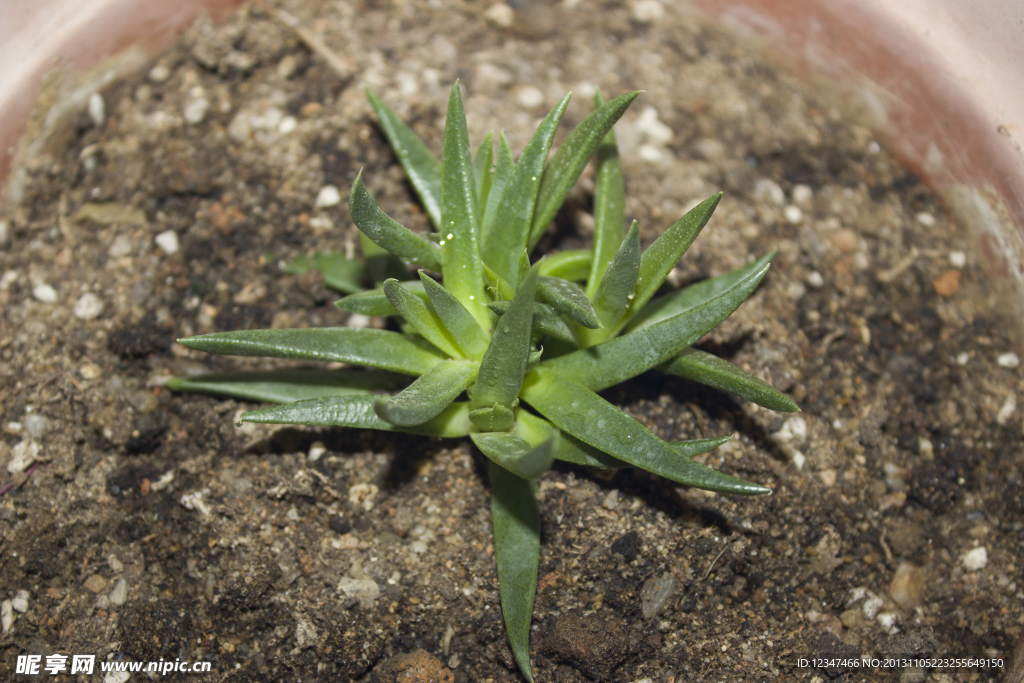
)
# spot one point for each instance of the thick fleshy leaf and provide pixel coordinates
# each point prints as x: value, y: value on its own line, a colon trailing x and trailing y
x: 535, y: 430
x: 420, y: 165
x: 618, y: 359
x: 663, y: 255
x: 432, y: 392
x: 515, y: 516
x: 388, y: 234
x: 372, y: 348
x: 504, y: 363
x: 381, y: 264
x: 497, y: 418
x: 515, y: 454
x: 507, y: 237
x: 567, y: 164
x: 580, y: 412
x: 618, y: 286
x: 462, y: 326
x: 504, y: 168
x: 483, y: 164
x: 375, y: 302
x: 545, y: 321
x: 691, y: 449
x: 609, y: 206
x: 572, y: 265
x: 568, y: 299
x: 288, y: 386
x: 721, y: 374
x: 340, y: 272
x: 669, y: 305
x: 357, y: 411
x: 460, y: 222
x: 422, y: 318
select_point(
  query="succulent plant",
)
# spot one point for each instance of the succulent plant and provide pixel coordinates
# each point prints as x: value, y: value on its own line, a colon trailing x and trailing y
x: 510, y: 354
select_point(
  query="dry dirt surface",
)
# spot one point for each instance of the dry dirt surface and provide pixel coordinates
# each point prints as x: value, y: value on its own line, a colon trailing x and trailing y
x: 140, y: 525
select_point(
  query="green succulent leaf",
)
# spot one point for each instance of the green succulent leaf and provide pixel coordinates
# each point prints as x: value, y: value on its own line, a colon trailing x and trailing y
x: 504, y: 363
x: 482, y: 170
x: 419, y: 163
x: 609, y: 206
x: 460, y: 222
x: 716, y: 372
x: 504, y: 168
x: 535, y: 430
x: 340, y: 272
x: 663, y: 255
x: 287, y: 386
x: 516, y: 518
x: 515, y: 454
x: 357, y: 411
x: 431, y: 393
x: 422, y: 318
x: 372, y: 348
x: 691, y: 449
x: 386, y: 233
x: 546, y: 321
x: 375, y: 301
x: 669, y: 305
x: 572, y: 265
x: 618, y: 359
x: 507, y: 237
x: 568, y: 298
x: 618, y: 286
x: 462, y: 326
x: 497, y: 418
x: 567, y: 164
x: 577, y: 410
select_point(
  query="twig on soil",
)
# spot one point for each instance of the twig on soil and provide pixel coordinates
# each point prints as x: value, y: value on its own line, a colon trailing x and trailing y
x: 10, y: 485
x: 717, y: 558
x: 311, y: 40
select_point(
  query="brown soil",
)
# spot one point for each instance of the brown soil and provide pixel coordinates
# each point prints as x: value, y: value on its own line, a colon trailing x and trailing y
x: 241, y: 548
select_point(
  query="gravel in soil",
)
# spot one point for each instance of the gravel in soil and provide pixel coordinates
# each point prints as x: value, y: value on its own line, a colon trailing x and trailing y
x: 141, y: 525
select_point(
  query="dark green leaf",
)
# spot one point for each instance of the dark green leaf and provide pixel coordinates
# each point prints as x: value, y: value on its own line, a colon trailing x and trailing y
x: 721, y: 374
x: 609, y: 206
x: 516, y: 519
x: 516, y: 455
x: 504, y: 167
x: 460, y: 222
x: 662, y: 256
x: 507, y: 237
x: 287, y: 386
x: 535, y: 430
x: 396, y: 238
x: 373, y: 348
x: 432, y: 392
x: 545, y: 321
x: 580, y: 412
x: 567, y: 164
x: 357, y: 411
x: 420, y: 165
x: 463, y: 327
x: 618, y: 359
x: 422, y: 318
x: 497, y: 418
x: 618, y: 286
x: 691, y: 449
x: 483, y: 164
x: 572, y: 265
x: 669, y: 305
x: 568, y: 299
x: 375, y: 302
x: 504, y: 363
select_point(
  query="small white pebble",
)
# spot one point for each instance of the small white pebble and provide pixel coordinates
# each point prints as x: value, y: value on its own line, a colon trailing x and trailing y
x: 650, y: 153
x: 768, y: 190
x: 887, y: 620
x: 359, y: 320
x: 36, y: 425
x: 1007, y: 410
x: 798, y: 459
x: 648, y: 11
x: 529, y: 97
x: 872, y: 606
x: 316, y: 451
x: 97, y: 109
x: 88, y: 307
x: 874, y: 148
x: 793, y: 215
x: 963, y: 358
x: 195, y: 110
x: 925, y: 448
x: 20, y: 601
x: 1008, y: 360
x: 121, y: 246
x: 287, y: 66
x: 975, y: 560
x: 168, y: 241
x: 802, y: 195
x: 287, y: 125
x: 795, y: 289
x: 6, y: 616
x: 45, y: 293
x: 815, y: 280
x: 159, y: 73
x: 926, y: 219
x: 328, y: 196
x: 648, y: 125
x: 500, y: 14
x: 957, y: 259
